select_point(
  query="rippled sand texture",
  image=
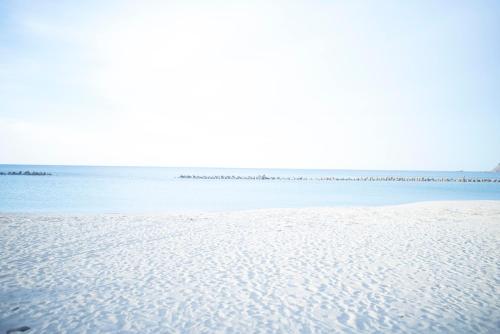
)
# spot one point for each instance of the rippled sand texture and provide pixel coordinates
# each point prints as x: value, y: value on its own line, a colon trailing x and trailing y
x: 420, y: 268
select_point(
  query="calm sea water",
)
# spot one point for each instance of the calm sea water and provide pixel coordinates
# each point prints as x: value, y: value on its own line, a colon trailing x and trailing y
x: 75, y: 189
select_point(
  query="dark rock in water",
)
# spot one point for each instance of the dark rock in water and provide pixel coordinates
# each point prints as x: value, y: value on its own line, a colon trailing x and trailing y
x: 344, y: 178
x: 27, y: 172
x: 18, y: 329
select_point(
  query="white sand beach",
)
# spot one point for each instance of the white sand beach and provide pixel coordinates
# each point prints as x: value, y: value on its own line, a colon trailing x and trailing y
x: 418, y: 268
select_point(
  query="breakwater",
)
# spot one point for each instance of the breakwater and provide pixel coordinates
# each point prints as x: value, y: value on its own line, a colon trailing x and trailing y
x: 350, y: 178
x: 27, y: 172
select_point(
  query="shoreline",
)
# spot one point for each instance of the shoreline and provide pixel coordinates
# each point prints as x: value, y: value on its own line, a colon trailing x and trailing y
x: 204, y: 212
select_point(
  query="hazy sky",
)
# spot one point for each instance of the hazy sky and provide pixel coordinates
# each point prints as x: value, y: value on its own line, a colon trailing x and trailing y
x: 304, y: 84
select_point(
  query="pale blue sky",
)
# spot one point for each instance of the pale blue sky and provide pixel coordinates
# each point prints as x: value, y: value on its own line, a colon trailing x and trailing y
x: 297, y: 84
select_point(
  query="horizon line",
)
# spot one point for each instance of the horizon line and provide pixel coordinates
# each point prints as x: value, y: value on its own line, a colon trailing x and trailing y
x: 219, y: 167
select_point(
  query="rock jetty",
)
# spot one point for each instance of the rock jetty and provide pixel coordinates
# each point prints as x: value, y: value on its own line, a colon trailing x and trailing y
x: 335, y: 178
x: 27, y: 172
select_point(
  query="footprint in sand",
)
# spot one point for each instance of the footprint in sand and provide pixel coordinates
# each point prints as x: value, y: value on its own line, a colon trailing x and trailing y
x: 343, y: 318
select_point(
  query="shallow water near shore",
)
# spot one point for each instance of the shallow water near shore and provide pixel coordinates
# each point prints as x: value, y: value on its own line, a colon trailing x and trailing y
x: 80, y: 189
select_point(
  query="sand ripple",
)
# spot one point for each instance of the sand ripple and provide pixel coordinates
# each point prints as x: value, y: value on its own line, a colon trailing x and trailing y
x: 421, y: 268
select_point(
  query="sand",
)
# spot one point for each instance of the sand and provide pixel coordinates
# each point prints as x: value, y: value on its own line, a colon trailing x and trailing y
x: 418, y: 268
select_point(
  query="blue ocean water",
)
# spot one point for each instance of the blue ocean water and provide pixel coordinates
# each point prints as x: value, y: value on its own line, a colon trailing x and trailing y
x: 85, y: 189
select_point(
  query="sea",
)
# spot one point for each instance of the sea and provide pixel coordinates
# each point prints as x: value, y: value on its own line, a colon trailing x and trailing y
x: 92, y: 189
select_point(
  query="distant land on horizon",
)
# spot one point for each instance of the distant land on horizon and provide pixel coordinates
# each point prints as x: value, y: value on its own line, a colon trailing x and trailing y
x: 496, y: 169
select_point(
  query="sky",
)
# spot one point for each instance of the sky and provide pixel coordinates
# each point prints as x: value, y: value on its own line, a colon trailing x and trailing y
x: 280, y: 84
